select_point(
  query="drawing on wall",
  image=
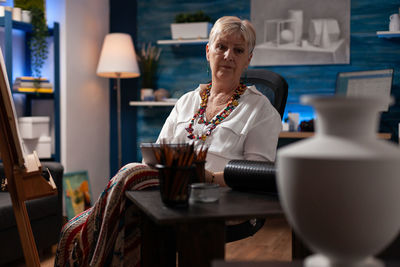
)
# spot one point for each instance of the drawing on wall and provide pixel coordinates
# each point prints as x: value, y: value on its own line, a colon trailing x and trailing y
x: 303, y: 32
x: 77, y: 196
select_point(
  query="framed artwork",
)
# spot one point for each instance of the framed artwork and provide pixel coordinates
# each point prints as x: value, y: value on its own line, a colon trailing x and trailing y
x: 77, y: 193
x: 303, y: 32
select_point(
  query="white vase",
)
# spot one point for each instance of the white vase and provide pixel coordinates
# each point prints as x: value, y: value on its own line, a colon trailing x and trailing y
x: 26, y: 16
x: 340, y: 188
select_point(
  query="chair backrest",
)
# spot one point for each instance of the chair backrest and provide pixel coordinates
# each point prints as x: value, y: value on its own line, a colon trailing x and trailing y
x: 271, y: 84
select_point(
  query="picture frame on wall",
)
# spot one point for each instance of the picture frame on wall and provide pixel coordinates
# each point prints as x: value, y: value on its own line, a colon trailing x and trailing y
x: 304, y: 32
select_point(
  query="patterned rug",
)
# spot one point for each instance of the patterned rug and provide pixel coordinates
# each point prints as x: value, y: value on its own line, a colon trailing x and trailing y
x: 107, y: 234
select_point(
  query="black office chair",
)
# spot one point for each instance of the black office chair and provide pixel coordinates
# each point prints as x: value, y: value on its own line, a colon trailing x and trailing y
x: 271, y: 84
x: 261, y: 174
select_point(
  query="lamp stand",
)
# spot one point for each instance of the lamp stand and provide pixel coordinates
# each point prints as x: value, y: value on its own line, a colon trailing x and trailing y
x: 119, y: 120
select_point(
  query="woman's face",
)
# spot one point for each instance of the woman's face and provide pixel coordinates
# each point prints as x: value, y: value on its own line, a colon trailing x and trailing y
x: 228, y: 57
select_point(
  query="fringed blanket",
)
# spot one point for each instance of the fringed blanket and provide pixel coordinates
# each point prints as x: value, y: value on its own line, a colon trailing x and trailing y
x: 107, y: 234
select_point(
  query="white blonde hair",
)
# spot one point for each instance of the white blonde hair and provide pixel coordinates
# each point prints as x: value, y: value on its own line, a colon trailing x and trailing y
x: 229, y: 25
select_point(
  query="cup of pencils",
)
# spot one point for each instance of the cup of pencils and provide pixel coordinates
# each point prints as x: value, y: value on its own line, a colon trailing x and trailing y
x: 176, y: 172
x: 174, y: 184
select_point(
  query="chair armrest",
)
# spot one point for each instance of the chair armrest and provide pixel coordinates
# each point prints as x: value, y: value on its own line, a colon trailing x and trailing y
x: 250, y: 175
x: 57, y: 172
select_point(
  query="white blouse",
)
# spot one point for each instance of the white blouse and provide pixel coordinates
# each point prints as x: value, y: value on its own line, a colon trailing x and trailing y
x: 250, y: 132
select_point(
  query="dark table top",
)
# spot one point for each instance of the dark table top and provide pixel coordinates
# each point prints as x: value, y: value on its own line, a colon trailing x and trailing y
x: 220, y: 263
x: 231, y: 205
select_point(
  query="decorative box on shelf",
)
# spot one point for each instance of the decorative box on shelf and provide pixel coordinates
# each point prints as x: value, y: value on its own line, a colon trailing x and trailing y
x: 33, y: 127
x: 41, y: 145
x: 35, y: 133
x: 190, y: 30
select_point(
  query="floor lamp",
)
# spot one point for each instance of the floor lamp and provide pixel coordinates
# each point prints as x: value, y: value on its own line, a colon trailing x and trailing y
x: 118, y: 60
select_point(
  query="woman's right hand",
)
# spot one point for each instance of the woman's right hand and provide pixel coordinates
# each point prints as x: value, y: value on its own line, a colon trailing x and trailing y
x: 215, y: 177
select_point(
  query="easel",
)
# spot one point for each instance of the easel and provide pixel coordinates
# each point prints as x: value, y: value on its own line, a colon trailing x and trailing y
x: 24, y: 179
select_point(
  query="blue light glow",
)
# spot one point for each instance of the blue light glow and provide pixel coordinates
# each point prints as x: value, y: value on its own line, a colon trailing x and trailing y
x: 306, y: 112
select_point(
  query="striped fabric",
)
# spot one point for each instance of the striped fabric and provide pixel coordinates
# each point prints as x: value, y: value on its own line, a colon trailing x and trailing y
x: 107, y: 234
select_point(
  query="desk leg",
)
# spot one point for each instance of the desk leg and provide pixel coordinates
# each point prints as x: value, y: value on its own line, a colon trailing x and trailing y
x: 158, y: 244
x: 200, y: 243
x: 299, y: 250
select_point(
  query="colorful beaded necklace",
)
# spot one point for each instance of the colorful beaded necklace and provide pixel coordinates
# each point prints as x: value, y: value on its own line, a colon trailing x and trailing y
x: 200, y: 114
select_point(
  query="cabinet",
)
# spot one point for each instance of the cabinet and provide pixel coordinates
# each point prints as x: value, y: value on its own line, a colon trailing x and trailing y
x: 9, y: 25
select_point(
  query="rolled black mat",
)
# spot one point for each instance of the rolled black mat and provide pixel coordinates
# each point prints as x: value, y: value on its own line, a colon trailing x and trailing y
x: 250, y: 175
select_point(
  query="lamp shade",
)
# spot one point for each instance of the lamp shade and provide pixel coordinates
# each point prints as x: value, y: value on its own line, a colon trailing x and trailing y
x: 118, y: 57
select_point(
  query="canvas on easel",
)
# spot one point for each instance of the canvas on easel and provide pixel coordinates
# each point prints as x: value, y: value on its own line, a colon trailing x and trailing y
x: 23, y: 172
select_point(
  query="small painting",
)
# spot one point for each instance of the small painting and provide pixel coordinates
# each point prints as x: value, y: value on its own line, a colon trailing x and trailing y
x: 77, y: 194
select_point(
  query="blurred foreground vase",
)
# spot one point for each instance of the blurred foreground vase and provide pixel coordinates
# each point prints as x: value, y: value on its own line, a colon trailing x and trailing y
x: 340, y: 188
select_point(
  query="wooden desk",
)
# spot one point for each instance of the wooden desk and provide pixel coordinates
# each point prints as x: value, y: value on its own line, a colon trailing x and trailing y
x: 287, y: 138
x: 198, y: 232
x: 275, y: 264
x: 301, y: 135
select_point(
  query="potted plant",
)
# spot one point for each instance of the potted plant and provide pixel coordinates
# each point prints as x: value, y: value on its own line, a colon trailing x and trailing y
x: 148, y: 58
x: 38, y: 44
x: 195, y: 25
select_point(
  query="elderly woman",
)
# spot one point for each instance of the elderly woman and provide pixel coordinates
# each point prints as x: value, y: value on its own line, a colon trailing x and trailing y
x: 233, y: 120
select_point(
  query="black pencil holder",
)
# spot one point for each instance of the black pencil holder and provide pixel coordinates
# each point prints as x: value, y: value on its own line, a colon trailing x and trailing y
x: 174, y: 184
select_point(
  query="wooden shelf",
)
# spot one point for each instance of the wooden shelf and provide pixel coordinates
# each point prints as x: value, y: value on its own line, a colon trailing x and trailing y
x: 388, y: 34
x: 34, y: 95
x: 182, y: 41
x: 152, y: 103
x: 285, y: 134
x: 300, y: 135
x: 20, y: 25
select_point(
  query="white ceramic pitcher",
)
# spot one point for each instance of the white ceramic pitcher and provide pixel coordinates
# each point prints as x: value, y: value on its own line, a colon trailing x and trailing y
x: 394, y: 24
x: 340, y: 188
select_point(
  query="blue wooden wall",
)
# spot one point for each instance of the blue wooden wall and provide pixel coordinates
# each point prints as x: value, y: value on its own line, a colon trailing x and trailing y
x: 182, y: 68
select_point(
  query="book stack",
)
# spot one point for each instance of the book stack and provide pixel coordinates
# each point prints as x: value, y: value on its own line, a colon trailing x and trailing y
x: 32, y: 85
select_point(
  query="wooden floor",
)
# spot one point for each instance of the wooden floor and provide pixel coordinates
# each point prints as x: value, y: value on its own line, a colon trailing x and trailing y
x: 272, y: 242
x: 46, y: 259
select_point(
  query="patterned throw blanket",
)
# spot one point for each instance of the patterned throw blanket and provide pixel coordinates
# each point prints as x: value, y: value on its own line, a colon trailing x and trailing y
x: 107, y: 234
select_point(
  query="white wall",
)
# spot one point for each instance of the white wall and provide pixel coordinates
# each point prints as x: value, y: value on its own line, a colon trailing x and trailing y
x: 84, y: 96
